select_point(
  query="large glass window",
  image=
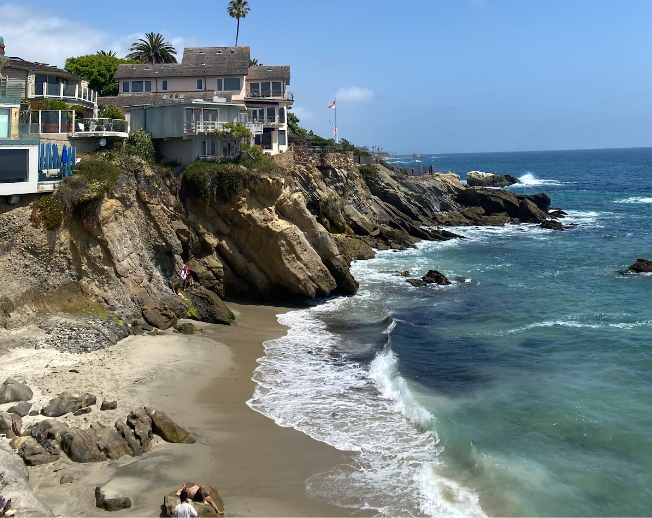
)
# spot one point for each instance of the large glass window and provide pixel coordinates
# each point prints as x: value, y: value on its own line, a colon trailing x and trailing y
x: 5, y: 117
x: 14, y: 165
x: 39, y: 79
x: 148, y: 86
x: 232, y: 83
x: 265, y: 89
x: 257, y: 114
x: 220, y: 85
x: 254, y: 89
x: 208, y: 148
x: 281, y: 138
x: 210, y: 115
x: 276, y: 88
x: 281, y: 115
x: 137, y: 86
x: 125, y: 86
x: 200, y: 84
x: 164, y: 84
x: 271, y: 114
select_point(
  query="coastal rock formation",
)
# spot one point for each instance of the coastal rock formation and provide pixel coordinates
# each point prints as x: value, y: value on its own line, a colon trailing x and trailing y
x: 435, y: 277
x: 35, y: 453
x: 10, y: 424
x: 108, y: 405
x: 12, y: 390
x: 129, y: 436
x: 23, y: 500
x: 81, y: 446
x: 21, y: 409
x: 641, y: 266
x: 167, y: 429
x: 552, y: 224
x: 480, y: 179
x: 109, y: 441
x: 141, y: 425
x: 208, y: 305
x: 110, y: 500
x: 67, y: 402
x: 172, y: 500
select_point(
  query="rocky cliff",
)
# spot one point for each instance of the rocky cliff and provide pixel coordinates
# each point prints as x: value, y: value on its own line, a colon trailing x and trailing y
x: 286, y: 233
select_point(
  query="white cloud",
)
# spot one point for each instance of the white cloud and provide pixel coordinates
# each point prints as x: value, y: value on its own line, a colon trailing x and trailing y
x: 302, y: 113
x: 355, y: 94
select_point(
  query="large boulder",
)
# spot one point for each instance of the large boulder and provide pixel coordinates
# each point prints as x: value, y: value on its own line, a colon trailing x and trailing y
x: 209, y: 307
x: 172, y: 500
x: 552, y: 224
x: 110, y: 500
x: 67, y: 402
x: 141, y: 424
x: 35, y: 453
x: 21, y: 409
x: 109, y: 441
x: 480, y: 179
x: 496, y: 202
x: 81, y: 446
x: 435, y: 277
x: 167, y: 429
x: 10, y: 424
x: 160, y: 316
x: 12, y: 391
x: 49, y: 429
x: 129, y: 436
x: 355, y: 248
x: 641, y: 266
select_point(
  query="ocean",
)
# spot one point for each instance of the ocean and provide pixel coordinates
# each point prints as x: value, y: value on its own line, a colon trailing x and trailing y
x: 522, y: 389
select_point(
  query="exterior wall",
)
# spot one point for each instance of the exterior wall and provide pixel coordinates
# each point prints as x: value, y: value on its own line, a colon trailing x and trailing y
x: 186, y: 85
x: 82, y: 144
x: 180, y: 150
x: 31, y: 185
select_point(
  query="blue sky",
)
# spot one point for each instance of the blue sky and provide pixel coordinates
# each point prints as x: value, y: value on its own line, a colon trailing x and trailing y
x: 425, y: 76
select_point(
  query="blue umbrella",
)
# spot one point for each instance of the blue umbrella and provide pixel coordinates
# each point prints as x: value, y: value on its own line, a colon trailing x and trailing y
x: 64, y: 160
x: 48, y: 156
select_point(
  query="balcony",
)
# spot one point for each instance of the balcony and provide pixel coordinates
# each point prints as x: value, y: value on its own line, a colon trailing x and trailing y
x: 63, y: 92
x: 269, y: 94
x: 100, y: 128
x: 64, y: 121
x: 18, y: 135
x: 207, y: 127
x: 269, y: 121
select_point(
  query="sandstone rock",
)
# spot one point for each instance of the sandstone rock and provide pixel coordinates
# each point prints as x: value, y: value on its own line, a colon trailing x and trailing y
x: 210, y: 307
x: 552, y: 224
x: 186, y: 328
x: 167, y: 429
x: 10, y: 424
x: 109, y: 441
x: 108, y: 405
x: 110, y: 500
x: 67, y: 402
x: 66, y: 479
x: 208, y: 272
x: 49, y: 429
x: 130, y: 437
x: 34, y: 412
x: 435, y: 277
x: 141, y: 424
x: 35, y: 453
x: 171, y: 500
x: 542, y: 200
x: 22, y: 409
x: 641, y: 266
x: 12, y: 390
x: 480, y: 179
x: 161, y: 317
x: 17, y: 442
x: 80, y: 446
x: 356, y: 249
x: 82, y: 411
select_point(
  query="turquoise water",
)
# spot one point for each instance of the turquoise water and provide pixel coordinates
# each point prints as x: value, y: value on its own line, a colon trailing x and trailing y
x: 523, y: 389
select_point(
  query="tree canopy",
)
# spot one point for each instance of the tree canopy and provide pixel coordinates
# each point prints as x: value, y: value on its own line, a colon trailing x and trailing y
x: 152, y: 49
x: 98, y: 70
x: 238, y: 9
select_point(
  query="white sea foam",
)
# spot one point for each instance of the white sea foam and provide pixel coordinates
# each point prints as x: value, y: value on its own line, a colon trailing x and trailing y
x: 304, y: 383
x: 636, y: 199
x: 529, y: 180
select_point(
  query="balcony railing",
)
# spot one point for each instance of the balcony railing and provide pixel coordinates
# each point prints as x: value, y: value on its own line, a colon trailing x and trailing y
x: 18, y: 135
x: 74, y: 93
x: 100, y: 126
x: 11, y: 88
x: 269, y: 121
x: 197, y: 127
x: 278, y: 94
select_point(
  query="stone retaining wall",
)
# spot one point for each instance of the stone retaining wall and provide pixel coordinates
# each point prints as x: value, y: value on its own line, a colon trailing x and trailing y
x: 323, y: 158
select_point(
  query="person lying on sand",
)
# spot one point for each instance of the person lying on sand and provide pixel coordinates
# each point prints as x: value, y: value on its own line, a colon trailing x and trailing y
x: 199, y: 494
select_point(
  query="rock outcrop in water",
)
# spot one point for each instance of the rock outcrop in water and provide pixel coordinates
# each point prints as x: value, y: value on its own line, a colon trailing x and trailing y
x: 480, y: 179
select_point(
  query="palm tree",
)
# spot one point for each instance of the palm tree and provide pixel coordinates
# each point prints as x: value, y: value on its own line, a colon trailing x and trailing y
x: 153, y: 49
x: 111, y: 53
x: 253, y: 62
x: 238, y: 9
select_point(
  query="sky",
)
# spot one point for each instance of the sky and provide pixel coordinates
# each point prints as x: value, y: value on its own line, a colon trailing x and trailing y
x: 429, y: 76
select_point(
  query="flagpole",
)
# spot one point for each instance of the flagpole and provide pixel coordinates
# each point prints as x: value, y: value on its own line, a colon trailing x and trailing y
x: 337, y: 136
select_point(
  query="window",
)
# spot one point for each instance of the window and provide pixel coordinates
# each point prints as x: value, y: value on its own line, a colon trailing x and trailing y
x: 276, y: 89
x: 136, y: 86
x: 200, y: 84
x: 243, y: 118
x: 254, y: 89
x: 257, y: 114
x: 208, y: 148
x: 281, y: 138
x: 148, y: 86
x: 220, y: 85
x: 265, y: 89
x: 232, y: 83
x: 164, y: 84
x: 4, y: 122
x: 14, y: 165
x: 271, y: 114
x: 125, y: 86
x: 209, y: 115
x: 281, y: 115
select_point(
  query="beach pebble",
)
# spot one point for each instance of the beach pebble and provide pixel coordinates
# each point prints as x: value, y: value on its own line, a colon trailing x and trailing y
x: 108, y: 405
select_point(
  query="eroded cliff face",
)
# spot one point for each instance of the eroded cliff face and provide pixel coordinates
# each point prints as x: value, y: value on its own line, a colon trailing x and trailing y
x: 289, y: 235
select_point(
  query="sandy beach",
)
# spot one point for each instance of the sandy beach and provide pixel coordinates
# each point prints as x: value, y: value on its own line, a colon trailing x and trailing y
x: 201, y: 381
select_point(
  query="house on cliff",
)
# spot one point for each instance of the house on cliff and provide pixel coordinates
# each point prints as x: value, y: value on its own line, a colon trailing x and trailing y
x: 184, y: 104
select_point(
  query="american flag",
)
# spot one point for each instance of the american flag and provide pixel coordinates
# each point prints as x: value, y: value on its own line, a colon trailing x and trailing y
x: 332, y: 105
x: 335, y: 131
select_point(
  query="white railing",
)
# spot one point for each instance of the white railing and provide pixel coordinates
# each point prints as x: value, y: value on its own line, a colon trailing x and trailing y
x: 62, y: 91
x: 213, y: 126
x: 269, y: 121
x: 100, y: 126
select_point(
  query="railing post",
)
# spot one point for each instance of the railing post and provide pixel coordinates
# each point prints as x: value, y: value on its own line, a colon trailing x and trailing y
x: 45, y: 89
x: 60, y: 89
x: 73, y: 122
x: 40, y: 126
x: 76, y: 91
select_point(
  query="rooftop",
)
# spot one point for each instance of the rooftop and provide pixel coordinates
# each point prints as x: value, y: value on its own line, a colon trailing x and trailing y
x: 262, y: 72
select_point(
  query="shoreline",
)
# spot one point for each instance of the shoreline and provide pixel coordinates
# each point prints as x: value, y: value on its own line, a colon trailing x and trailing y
x: 202, y: 382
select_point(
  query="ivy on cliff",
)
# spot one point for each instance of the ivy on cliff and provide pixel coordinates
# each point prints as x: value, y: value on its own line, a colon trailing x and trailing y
x: 211, y: 180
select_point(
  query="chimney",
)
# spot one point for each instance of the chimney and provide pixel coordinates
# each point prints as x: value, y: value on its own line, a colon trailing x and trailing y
x: 2, y: 46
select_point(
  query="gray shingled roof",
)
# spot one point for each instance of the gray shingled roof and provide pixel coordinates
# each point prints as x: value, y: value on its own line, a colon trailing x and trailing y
x: 196, y: 61
x: 258, y: 73
x: 33, y: 66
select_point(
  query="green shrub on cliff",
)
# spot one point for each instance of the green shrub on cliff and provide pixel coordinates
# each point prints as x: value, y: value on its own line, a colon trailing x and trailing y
x: 140, y: 144
x: 218, y: 181
x: 48, y: 211
x: 368, y: 171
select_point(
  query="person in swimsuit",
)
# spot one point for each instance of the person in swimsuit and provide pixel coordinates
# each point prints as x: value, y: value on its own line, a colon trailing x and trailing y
x: 199, y: 494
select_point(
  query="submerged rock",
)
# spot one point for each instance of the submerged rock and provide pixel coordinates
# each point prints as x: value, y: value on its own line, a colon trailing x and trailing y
x: 435, y: 277
x: 552, y: 224
x: 641, y: 266
x: 480, y: 179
